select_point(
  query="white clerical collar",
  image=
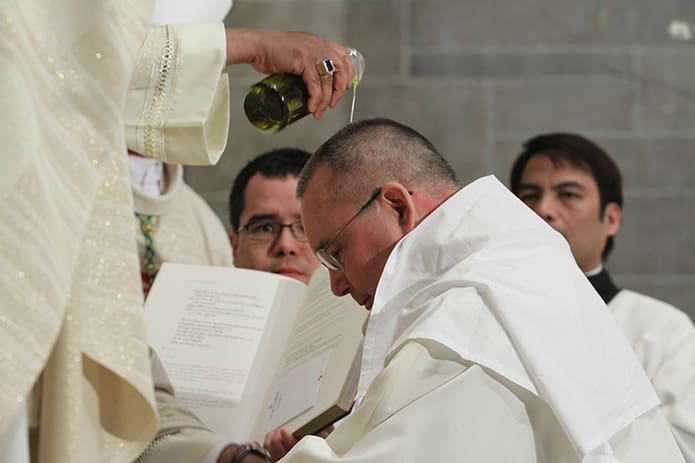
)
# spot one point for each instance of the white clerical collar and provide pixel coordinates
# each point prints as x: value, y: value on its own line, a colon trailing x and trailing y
x: 146, y: 174
x: 594, y: 271
x: 171, y: 189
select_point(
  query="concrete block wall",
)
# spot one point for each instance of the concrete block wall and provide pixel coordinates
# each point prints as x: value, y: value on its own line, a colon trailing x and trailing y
x: 478, y: 77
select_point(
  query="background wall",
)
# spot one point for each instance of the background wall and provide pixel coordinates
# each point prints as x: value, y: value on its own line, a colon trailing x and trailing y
x: 478, y: 77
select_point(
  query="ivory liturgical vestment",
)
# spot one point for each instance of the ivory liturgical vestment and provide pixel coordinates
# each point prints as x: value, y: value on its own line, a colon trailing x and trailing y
x: 78, y: 78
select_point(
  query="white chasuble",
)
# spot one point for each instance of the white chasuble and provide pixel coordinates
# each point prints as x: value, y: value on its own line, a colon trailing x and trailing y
x: 544, y: 375
x: 663, y: 338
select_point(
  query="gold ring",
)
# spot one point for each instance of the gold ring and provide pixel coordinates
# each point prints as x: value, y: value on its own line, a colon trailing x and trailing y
x: 325, y: 68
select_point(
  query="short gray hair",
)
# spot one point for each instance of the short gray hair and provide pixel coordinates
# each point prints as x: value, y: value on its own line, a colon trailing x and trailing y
x: 371, y: 152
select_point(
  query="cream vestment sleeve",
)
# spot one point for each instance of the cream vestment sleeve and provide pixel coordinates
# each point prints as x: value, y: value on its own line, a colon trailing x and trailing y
x: 663, y: 338
x: 181, y: 436
x: 178, y: 103
x: 178, y: 111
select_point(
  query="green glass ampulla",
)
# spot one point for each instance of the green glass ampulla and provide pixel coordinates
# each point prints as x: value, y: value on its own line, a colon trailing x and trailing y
x: 280, y: 99
x: 276, y: 101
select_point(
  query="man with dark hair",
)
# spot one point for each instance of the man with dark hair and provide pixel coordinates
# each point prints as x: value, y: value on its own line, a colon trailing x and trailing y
x: 579, y: 155
x: 263, y: 198
x: 484, y: 341
x: 267, y: 232
x: 576, y: 188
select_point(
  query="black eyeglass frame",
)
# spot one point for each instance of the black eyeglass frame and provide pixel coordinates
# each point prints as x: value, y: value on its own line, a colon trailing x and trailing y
x: 295, y: 228
x: 327, y: 259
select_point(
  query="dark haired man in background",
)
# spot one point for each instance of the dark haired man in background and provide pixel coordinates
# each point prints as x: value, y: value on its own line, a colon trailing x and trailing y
x: 576, y: 188
x: 267, y: 232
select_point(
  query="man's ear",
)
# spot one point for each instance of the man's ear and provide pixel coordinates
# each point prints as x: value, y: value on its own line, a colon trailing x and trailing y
x: 234, y: 241
x: 612, y: 217
x: 400, y: 200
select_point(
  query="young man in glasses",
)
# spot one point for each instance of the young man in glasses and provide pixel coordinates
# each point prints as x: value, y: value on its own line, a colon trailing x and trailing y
x: 485, y: 342
x: 267, y: 232
x: 267, y: 235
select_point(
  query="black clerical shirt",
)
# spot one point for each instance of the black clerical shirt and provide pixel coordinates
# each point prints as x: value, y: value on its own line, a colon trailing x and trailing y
x: 604, y: 286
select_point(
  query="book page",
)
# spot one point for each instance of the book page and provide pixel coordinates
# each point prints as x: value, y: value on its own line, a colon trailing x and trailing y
x: 321, y: 322
x: 326, y: 326
x: 206, y: 324
x: 295, y: 392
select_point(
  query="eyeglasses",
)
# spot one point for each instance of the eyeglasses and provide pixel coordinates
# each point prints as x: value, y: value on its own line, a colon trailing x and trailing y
x: 330, y: 261
x: 270, y: 231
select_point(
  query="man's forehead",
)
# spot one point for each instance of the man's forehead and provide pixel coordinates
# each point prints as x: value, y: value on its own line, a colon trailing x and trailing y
x: 271, y: 195
x: 320, y: 212
x: 540, y: 164
x: 320, y: 189
x: 315, y: 203
x: 559, y: 162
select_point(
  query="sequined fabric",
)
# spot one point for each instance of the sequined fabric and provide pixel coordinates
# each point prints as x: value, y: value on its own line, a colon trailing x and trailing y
x: 70, y: 296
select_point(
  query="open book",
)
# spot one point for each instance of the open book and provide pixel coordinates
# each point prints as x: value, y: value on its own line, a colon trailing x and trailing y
x: 251, y: 351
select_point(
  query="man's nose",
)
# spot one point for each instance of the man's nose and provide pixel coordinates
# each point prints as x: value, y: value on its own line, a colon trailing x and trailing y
x: 339, y: 284
x: 285, y: 243
x: 545, y: 207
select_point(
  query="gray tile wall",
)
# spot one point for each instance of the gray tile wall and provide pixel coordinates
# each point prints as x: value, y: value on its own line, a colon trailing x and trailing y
x: 478, y: 77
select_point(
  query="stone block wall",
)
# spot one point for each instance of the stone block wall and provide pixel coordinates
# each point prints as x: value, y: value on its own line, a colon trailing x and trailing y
x: 478, y: 77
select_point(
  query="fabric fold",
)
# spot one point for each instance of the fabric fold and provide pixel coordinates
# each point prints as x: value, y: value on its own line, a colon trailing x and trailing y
x: 559, y: 343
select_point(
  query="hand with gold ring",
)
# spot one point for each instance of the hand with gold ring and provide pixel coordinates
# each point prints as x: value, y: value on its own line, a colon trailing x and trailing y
x: 299, y: 53
x: 325, y: 70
